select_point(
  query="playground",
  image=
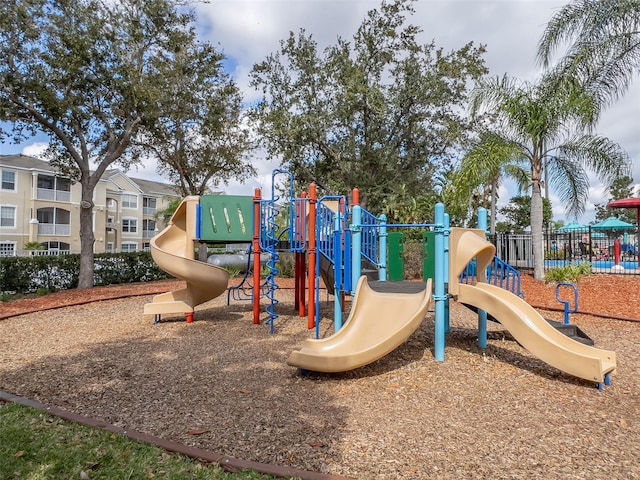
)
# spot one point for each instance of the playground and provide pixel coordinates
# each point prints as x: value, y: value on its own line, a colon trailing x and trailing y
x: 222, y: 383
x: 391, y: 380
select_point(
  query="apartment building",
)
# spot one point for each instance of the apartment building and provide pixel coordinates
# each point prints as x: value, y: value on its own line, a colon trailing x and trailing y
x: 37, y: 204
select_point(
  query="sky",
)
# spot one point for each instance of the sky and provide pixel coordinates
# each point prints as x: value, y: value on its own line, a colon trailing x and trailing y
x: 249, y: 30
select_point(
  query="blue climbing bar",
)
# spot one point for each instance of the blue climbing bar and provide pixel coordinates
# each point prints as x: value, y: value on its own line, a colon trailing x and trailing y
x: 482, y: 315
x: 439, y: 293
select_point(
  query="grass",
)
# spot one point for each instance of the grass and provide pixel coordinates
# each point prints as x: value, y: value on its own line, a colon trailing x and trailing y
x: 37, y: 446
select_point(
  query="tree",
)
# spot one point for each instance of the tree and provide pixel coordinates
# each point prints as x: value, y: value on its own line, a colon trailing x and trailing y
x: 476, y: 182
x: 622, y: 187
x: 518, y: 213
x: 198, y: 135
x: 547, y: 124
x: 376, y: 113
x: 604, y: 44
x: 88, y: 73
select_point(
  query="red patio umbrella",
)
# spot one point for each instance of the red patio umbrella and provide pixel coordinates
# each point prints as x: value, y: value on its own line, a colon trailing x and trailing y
x: 633, y: 202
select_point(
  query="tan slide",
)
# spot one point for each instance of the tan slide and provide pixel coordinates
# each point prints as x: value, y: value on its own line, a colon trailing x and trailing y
x: 536, y: 335
x: 173, y: 250
x: 378, y: 324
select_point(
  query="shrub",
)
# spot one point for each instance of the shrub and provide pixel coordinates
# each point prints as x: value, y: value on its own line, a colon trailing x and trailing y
x: 55, y: 273
x: 287, y: 265
x: 569, y: 273
x: 413, y: 259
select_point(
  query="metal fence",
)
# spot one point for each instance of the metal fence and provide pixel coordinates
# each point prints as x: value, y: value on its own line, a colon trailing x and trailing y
x: 575, y: 246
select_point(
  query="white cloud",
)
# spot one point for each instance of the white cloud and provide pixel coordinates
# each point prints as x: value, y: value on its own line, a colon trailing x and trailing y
x: 35, y: 149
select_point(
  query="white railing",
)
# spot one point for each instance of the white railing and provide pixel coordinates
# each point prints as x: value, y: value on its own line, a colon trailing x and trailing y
x: 148, y: 233
x: 54, y: 229
x: 47, y: 253
x: 53, y: 195
x: 149, y: 210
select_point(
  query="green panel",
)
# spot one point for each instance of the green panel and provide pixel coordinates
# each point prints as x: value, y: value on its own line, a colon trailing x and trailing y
x: 395, y: 242
x: 226, y: 218
x: 429, y: 255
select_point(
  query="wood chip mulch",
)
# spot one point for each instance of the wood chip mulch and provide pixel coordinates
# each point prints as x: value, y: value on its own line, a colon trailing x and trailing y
x: 222, y: 384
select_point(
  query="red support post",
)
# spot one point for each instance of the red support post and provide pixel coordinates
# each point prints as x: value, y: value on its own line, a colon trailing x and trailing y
x: 297, y: 282
x: 313, y: 199
x: 355, y: 196
x: 256, y: 256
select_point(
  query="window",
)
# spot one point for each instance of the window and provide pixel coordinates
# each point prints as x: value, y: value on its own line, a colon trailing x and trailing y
x: 7, y: 249
x: 56, y: 246
x: 129, y: 247
x: 54, y: 183
x: 129, y: 225
x: 54, y: 215
x: 148, y: 228
x: 54, y: 188
x: 109, y: 247
x: 8, y: 216
x: 111, y: 204
x: 129, y: 201
x: 53, y: 221
x: 146, y: 246
x: 8, y: 180
x: 149, y: 206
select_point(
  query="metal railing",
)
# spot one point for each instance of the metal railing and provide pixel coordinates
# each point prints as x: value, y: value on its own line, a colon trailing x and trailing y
x: 370, y: 245
x: 499, y: 273
x: 54, y: 229
x: 577, y: 246
x: 53, y: 195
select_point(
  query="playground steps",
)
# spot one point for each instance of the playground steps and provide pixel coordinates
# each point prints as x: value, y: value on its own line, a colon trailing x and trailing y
x: 572, y: 331
x: 327, y: 272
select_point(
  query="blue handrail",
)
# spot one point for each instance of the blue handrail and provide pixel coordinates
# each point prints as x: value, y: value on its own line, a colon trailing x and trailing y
x: 370, y: 246
x: 499, y: 273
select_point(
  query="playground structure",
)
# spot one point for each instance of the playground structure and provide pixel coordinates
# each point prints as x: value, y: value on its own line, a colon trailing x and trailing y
x: 334, y: 238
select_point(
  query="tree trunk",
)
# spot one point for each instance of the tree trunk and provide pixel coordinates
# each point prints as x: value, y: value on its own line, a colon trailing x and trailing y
x: 203, y: 252
x: 536, y: 231
x: 87, y: 238
x: 493, y: 213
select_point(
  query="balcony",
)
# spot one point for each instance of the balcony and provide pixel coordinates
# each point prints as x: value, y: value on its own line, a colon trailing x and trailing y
x: 149, y: 210
x: 149, y: 233
x: 53, y: 195
x: 54, y: 229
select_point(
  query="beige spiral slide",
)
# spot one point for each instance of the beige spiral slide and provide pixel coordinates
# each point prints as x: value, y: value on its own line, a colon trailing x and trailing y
x: 173, y: 249
x: 378, y: 323
x: 526, y: 325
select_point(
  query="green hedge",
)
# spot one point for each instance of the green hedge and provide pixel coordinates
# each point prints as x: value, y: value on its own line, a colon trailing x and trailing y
x: 54, y: 273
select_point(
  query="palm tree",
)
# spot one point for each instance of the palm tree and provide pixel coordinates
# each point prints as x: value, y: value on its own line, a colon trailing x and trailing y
x: 532, y: 120
x: 604, y: 44
x: 481, y: 172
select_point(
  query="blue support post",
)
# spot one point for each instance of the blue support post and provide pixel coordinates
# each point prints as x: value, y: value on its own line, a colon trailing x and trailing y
x: 482, y: 315
x: 382, y: 272
x: 348, y: 266
x: 439, y: 293
x: 198, y: 221
x: 447, y: 226
x: 337, y: 267
x: 356, y: 247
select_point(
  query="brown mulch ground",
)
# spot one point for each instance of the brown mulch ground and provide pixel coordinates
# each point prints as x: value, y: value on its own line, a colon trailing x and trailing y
x: 609, y: 296
x: 498, y: 413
